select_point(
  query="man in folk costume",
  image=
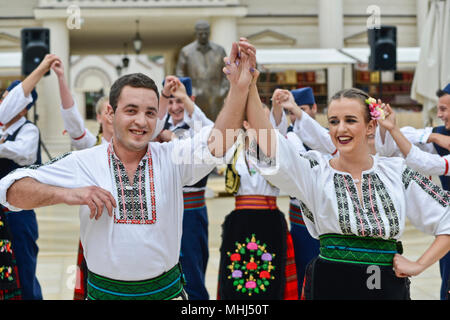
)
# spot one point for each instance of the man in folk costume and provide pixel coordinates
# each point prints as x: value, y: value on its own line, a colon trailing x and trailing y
x: 81, y: 138
x: 183, y: 119
x: 19, y: 147
x: 433, y: 141
x: 132, y: 252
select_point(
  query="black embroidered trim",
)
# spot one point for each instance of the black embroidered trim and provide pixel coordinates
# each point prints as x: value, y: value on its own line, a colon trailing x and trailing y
x: 306, y: 212
x: 342, y: 204
x: 437, y: 193
x: 388, y: 206
x: 312, y: 162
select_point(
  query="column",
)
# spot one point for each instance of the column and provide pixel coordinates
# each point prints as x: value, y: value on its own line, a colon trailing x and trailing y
x: 224, y: 32
x: 50, y: 122
x: 331, y: 34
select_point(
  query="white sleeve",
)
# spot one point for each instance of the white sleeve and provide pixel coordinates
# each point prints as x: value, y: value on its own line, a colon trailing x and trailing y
x: 313, y: 134
x: 282, y: 126
x: 288, y: 171
x: 193, y: 157
x: 295, y: 140
x: 427, y: 163
x: 388, y: 148
x: 417, y: 137
x: 81, y: 138
x: 158, y: 127
x: 427, y: 205
x: 14, y: 102
x: 24, y: 149
x: 60, y: 172
x: 198, y: 119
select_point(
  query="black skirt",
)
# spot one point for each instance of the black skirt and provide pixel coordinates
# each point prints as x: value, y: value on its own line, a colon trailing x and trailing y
x: 253, y: 255
x: 332, y: 280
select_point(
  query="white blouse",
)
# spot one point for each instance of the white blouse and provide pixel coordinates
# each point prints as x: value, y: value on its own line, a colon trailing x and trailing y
x: 143, y: 238
x: 391, y: 192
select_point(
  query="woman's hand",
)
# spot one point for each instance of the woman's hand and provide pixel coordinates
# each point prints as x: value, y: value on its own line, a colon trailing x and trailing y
x: 389, y: 122
x: 405, y: 268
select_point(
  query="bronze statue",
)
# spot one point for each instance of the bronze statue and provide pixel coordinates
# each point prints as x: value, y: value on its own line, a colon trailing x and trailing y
x: 202, y: 61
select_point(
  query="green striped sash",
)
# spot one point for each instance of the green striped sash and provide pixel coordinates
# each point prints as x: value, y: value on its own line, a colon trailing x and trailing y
x: 164, y: 287
x: 354, y: 249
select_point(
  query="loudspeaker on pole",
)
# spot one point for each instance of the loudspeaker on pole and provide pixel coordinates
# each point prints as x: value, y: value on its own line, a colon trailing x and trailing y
x: 383, y: 48
x: 35, y: 45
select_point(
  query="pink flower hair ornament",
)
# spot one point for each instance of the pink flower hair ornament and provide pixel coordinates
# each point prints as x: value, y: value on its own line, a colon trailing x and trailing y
x: 376, y: 111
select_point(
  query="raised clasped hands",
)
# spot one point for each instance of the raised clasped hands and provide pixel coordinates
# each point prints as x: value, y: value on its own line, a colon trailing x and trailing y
x: 240, y: 66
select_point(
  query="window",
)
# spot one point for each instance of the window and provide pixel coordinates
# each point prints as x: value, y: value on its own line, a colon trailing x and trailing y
x: 91, y: 99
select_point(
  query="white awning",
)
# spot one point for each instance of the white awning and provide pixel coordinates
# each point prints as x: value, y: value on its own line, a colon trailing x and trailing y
x: 301, y: 58
x: 10, y: 59
x: 405, y: 55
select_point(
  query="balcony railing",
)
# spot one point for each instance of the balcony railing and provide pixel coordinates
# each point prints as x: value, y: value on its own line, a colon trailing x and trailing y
x: 136, y: 3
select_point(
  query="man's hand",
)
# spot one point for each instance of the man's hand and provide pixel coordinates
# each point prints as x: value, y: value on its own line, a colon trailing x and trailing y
x: 94, y: 197
x: 440, y: 139
x: 47, y: 62
x: 170, y: 83
x: 238, y: 66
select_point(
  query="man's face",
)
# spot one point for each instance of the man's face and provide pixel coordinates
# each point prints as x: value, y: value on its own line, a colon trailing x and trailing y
x: 311, y: 111
x: 443, y: 110
x: 135, y: 118
x: 176, y: 110
x: 202, y: 35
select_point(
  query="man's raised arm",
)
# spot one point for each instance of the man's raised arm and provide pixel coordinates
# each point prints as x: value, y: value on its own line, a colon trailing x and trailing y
x: 232, y: 114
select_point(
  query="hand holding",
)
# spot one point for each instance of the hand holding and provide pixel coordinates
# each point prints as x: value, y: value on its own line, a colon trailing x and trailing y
x: 58, y: 68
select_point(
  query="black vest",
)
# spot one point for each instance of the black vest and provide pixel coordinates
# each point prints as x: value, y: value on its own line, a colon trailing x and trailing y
x: 7, y: 165
x: 202, y: 183
x: 445, y: 180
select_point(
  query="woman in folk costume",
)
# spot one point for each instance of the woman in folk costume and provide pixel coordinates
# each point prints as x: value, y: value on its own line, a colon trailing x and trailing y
x: 184, y: 118
x: 359, y: 203
x: 256, y: 255
x: 81, y: 138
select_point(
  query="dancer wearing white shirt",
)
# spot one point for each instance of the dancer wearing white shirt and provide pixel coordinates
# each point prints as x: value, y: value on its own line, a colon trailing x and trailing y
x: 138, y: 184
x: 358, y: 204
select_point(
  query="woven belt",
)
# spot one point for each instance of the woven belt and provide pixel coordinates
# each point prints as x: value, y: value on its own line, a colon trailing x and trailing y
x: 194, y: 200
x: 164, y: 287
x: 295, y: 215
x: 354, y: 249
x: 256, y: 202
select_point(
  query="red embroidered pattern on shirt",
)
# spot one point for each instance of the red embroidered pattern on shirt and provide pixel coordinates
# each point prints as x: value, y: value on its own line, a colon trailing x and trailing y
x: 124, y: 201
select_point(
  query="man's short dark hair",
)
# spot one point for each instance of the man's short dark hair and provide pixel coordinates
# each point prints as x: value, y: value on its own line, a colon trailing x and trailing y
x: 440, y: 93
x: 135, y: 80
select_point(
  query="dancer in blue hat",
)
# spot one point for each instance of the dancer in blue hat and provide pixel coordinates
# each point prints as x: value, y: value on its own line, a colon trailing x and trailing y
x: 183, y: 119
x: 19, y: 147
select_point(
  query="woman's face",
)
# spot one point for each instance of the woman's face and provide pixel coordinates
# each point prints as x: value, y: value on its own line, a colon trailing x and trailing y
x: 349, y: 130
